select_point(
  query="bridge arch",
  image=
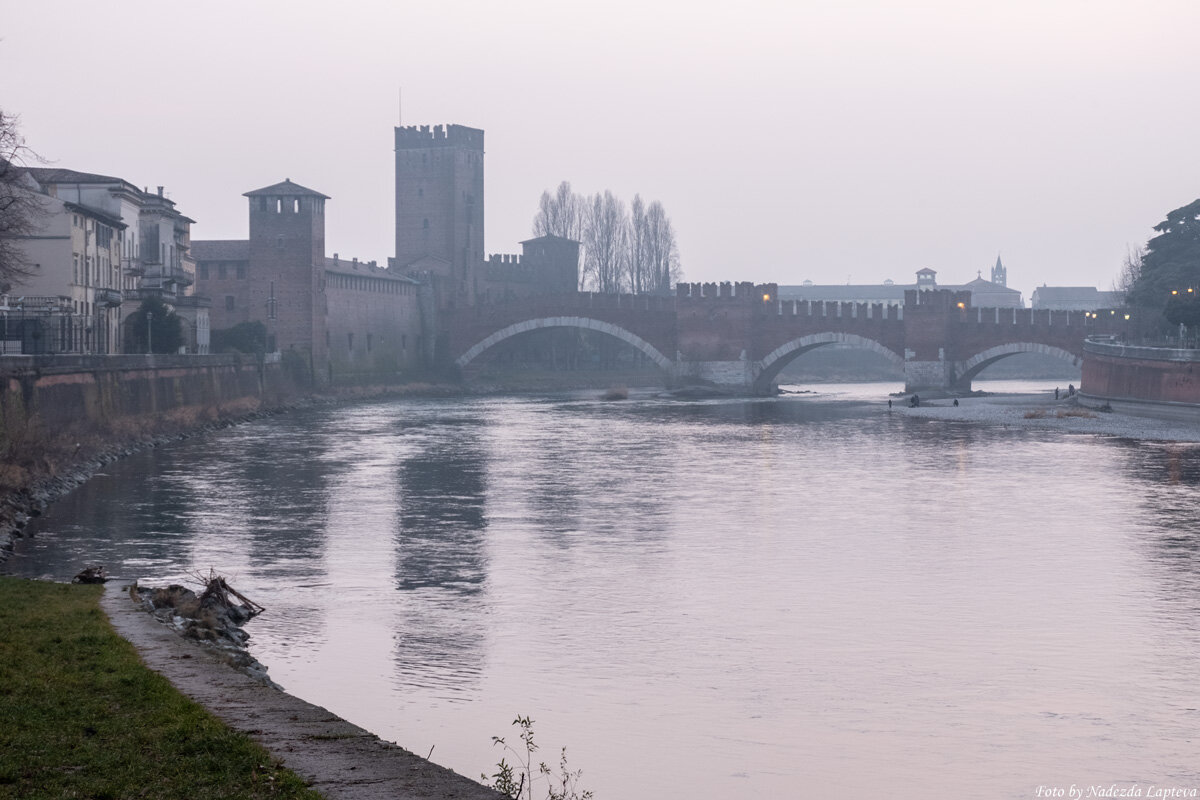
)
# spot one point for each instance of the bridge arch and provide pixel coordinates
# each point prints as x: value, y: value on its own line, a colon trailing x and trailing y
x: 772, y: 363
x: 966, y: 371
x: 586, y: 323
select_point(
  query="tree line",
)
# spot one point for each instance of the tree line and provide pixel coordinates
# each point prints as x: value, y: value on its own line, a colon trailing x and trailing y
x: 625, y: 249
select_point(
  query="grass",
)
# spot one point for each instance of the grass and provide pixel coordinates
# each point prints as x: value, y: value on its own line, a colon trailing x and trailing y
x: 81, y: 717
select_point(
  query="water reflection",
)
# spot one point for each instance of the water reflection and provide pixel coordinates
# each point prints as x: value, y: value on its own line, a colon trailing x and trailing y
x: 441, y: 559
x: 712, y: 599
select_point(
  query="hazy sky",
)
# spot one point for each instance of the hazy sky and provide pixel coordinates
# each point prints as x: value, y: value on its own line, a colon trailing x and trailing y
x: 831, y: 141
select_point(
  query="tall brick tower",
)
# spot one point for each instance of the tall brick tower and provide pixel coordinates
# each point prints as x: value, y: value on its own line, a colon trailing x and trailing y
x: 439, y: 206
x: 286, y: 286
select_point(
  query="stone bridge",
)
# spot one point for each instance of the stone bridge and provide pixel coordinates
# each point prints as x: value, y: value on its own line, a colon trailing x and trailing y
x: 739, y: 336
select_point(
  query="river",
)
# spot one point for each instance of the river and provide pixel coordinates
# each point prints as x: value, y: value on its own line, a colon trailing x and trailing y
x: 792, y: 597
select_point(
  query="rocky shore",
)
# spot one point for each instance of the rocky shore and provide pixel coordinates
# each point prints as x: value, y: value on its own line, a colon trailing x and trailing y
x: 1043, y: 412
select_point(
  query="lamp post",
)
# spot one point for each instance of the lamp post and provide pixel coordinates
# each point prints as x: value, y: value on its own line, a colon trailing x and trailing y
x: 149, y: 332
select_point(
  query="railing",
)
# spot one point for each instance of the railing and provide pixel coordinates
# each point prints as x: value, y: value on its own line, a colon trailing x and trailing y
x: 1167, y: 351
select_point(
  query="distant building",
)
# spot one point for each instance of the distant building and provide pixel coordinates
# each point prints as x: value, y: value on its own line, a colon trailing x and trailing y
x: 106, y: 245
x: 984, y: 293
x: 347, y: 319
x: 1074, y: 298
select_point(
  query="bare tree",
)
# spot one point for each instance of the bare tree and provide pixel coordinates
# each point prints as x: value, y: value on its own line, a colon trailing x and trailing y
x: 640, y: 278
x: 560, y: 214
x: 20, y: 210
x: 622, y: 251
x: 1131, y: 270
x: 606, y: 244
x: 662, y: 252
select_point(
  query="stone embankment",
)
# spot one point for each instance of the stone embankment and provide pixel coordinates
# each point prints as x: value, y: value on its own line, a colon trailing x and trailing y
x: 340, y: 760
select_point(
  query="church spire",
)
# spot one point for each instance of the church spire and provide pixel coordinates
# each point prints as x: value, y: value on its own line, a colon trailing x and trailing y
x: 999, y: 273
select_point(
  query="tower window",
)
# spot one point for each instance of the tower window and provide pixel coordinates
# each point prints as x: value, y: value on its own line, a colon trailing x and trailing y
x: 296, y: 206
x: 241, y: 272
x: 278, y: 206
x: 262, y: 204
x: 350, y: 342
x: 420, y: 192
x: 425, y: 224
x: 229, y: 302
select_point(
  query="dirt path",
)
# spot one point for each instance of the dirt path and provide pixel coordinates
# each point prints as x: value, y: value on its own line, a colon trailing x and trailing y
x: 341, y: 760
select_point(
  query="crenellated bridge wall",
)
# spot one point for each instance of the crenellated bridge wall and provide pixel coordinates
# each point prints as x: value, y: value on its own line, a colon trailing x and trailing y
x: 740, y: 335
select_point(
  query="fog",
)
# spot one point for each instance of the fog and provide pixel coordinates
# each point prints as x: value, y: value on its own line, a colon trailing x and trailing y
x: 830, y: 141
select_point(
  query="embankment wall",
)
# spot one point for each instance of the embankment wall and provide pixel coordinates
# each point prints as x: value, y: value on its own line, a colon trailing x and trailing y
x: 46, y: 396
x: 1153, y: 381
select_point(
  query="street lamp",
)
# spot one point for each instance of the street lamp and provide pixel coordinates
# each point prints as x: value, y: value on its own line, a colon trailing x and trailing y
x: 149, y: 332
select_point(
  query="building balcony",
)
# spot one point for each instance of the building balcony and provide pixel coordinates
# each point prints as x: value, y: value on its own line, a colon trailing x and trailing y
x: 109, y: 297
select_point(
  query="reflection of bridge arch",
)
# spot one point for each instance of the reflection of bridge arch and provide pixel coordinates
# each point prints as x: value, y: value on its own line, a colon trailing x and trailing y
x: 587, y: 323
x: 980, y: 361
x: 771, y: 364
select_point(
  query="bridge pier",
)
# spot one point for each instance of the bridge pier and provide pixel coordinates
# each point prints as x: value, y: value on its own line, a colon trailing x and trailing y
x: 939, y: 375
x: 736, y: 377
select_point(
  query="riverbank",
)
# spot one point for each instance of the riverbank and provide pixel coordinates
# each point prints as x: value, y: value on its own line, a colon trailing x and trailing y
x: 84, y: 718
x: 340, y: 760
x: 1043, y: 412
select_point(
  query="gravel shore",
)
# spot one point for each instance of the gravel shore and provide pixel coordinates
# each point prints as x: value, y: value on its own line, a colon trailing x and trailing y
x: 1043, y: 412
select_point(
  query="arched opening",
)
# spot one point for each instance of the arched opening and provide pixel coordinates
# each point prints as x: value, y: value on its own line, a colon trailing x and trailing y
x: 1032, y: 368
x: 566, y: 351
x: 881, y: 364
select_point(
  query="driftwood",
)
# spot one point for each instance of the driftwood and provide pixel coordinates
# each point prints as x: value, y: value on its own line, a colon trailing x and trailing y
x: 91, y: 574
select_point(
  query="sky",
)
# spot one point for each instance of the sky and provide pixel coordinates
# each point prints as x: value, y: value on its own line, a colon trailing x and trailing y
x: 846, y: 141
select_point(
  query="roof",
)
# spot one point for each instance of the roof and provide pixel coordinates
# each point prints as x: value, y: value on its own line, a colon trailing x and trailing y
x: 1067, y: 292
x: 984, y: 285
x: 285, y: 189
x: 103, y: 216
x: 220, y: 249
x: 56, y: 175
x: 845, y: 292
x: 926, y: 271
x: 342, y: 266
x: 549, y: 237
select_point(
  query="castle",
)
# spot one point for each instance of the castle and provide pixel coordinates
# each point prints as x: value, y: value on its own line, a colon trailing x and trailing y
x: 352, y: 320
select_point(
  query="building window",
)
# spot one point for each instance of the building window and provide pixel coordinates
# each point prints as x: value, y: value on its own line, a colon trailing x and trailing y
x: 404, y: 341
x: 279, y: 242
x: 202, y: 271
x: 350, y: 342
x: 221, y: 273
x: 296, y: 206
x: 262, y: 204
x: 229, y: 302
x: 425, y: 224
x: 370, y: 341
x: 241, y: 272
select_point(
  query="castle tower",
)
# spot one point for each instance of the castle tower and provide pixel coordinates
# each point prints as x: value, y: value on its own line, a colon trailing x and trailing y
x: 286, y: 287
x: 999, y: 273
x: 439, y: 206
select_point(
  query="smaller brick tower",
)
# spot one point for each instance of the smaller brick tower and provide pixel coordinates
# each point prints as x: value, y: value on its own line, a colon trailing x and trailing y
x: 286, y: 280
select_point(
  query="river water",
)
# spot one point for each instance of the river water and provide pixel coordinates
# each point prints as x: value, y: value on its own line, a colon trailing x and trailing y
x: 793, y: 597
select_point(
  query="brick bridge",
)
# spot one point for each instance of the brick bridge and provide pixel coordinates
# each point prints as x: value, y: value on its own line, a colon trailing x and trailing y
x: 739, y: 336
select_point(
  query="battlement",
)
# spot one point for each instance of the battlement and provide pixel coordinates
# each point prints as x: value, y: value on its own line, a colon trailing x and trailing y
x: 496, y: 259
x: 726, y: 290
x: 420, y: 137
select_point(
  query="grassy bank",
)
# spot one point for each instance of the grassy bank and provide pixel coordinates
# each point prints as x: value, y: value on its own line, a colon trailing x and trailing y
x: 81, y: 717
